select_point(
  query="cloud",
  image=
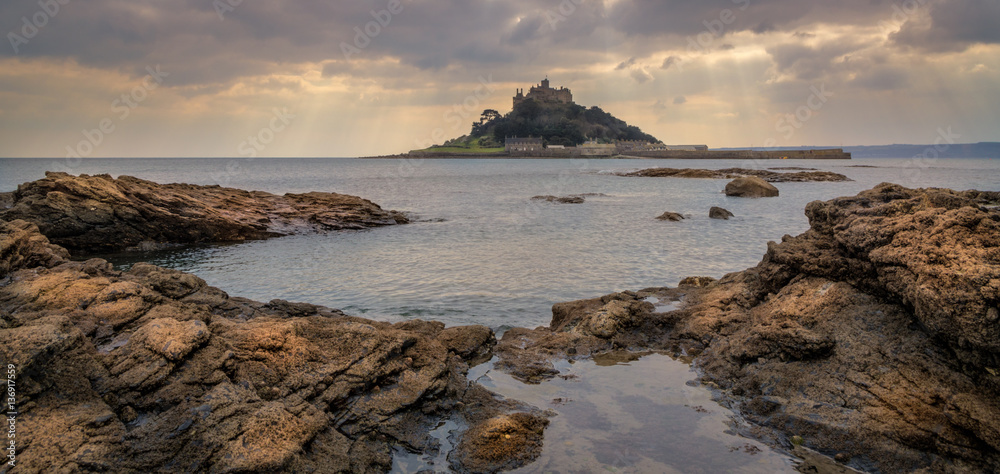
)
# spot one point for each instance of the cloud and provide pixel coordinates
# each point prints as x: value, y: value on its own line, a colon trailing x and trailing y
x: 763, y: 27
x: 670, y: 61
x: 950, y: 25
x: 427, y: 59
x: 808, y: 62
x: 640, y: 75
x: 883, y: 79
x: 625, y: 64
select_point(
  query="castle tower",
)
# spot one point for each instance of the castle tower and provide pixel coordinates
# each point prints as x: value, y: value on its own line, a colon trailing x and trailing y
x: 544, y: 93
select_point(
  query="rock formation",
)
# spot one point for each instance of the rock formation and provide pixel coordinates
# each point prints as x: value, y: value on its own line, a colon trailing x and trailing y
x: 719, y: 213
x: 561, y: 200
x: 731, y: 173
x: 152, y: 370
x: 752, y: 187
x: 103, y: 214
x: 571, y: 199
x: 670, y: 216
x: 873, y: 337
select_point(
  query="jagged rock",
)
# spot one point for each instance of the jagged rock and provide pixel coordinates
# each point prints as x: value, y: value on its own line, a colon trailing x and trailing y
x: 697, y: 282
x: 101, y: 214
x: 21, y: 245
x: 752, y: 187
x: 670, y: 216
x: 577, y: 199
x: 152, y: 370
x: 719, y: 213
x: 873, y: 335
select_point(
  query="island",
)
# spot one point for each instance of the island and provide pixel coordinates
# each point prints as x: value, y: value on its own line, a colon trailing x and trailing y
x: 545, y: 122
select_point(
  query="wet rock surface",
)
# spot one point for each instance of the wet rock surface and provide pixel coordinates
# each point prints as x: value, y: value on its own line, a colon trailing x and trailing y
x: 800, y: 175
x: 152, y: 370
x: 871, y: 338
x: 670, y: 216
x: 751, y: 187
x: 719, y: 213
x: 103, y: 214
x: 501, y: 443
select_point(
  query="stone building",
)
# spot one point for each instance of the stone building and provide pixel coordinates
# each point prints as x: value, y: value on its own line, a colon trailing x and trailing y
x: 523, y: 144
x: 544, y: 93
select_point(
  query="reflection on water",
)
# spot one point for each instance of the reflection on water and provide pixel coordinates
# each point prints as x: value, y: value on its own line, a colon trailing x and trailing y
x: 644, y: 415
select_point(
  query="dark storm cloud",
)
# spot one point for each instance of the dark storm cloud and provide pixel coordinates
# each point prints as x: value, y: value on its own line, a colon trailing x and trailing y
x: 200, y: 47
x: 954, y: 24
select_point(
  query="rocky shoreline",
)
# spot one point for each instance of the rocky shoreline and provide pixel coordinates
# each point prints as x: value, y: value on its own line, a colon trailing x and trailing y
x: 872, y: 338
x: 92, y: 214
x: 151, y: 369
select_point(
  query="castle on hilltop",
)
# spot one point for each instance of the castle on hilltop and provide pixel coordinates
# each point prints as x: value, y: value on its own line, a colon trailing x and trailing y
x: 544, y: 93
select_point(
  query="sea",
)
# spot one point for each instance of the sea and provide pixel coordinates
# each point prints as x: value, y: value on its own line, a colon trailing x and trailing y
x: 480, y: 250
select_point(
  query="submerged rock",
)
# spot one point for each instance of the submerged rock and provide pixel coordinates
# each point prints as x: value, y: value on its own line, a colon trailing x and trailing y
x: 152, y: 370
x: 103, y: 214
x: 576, y: 199
x: 873, y: 335
x: 719, y: 213
x: 670, y: 216
x: 752, y: 187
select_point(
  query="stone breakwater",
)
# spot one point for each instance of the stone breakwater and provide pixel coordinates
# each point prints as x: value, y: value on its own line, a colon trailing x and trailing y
x: 103, y: 214
x: 732, y: 173
x: 874, y: 337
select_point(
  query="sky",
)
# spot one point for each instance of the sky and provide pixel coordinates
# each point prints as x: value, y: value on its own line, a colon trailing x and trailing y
x: 230, y: 78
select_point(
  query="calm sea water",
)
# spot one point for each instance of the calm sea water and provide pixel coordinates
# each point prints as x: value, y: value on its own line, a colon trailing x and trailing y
x: 481, y: 251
